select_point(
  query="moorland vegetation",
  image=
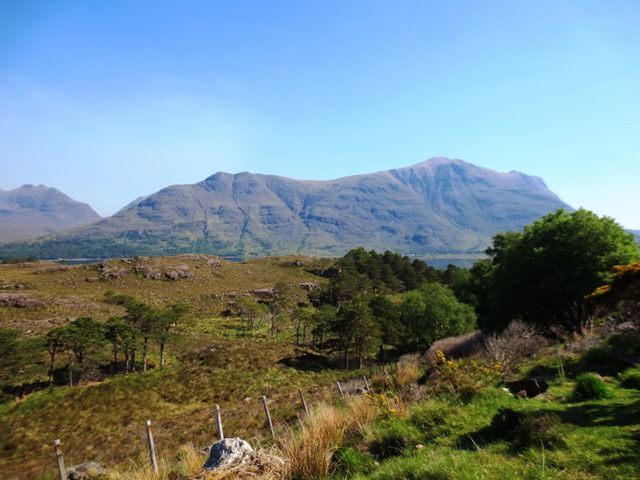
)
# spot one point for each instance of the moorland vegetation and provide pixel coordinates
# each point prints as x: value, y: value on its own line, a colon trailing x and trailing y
x: 88, y: 352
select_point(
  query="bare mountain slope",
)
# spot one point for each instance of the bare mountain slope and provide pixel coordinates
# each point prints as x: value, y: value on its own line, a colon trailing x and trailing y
x: 30, y: 212
x: 437, y: 206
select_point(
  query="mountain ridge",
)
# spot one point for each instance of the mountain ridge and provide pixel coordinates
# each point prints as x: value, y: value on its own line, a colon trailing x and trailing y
x: 30, y: 211
x: 433, y: 207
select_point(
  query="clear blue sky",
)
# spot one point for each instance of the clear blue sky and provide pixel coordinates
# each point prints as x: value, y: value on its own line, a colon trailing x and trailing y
x: 111, y: 100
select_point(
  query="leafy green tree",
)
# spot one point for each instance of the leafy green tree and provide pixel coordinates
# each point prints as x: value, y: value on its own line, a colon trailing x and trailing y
x: 355, y: 333
x: 432, y: 313
x: 543, y: 274
x: 251, y: 312
x: 8, y: 352
x: 122, y: 337
x: 84, y: 337
x: 54, y: 344
x: 303, y: 319
x: 166, y: 319
x: 323, y: 318
x: 387, y: 316
x: 280, y: 308
x: 144, y: 319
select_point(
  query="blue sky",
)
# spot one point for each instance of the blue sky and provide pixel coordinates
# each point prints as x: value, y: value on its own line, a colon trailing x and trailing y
x: 108, y: 101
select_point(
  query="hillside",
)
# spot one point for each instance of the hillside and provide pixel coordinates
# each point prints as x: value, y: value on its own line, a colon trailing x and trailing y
x: 33, y: 211
x: 437, y: 206
x: 445, y: 418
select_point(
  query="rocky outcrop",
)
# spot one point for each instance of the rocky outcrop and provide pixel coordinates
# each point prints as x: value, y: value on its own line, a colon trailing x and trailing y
x: 19, y: 300
x: 309, y: 286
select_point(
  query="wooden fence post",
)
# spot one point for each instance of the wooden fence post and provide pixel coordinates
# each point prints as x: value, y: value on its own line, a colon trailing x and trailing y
x: 304, y: 404
x: 219, y: 422
x: 266, y: 411
x: 386, y: 376
x: 59, y: 460
x: 366, y: 384
x: 340, y: 390
x: 152, y: 448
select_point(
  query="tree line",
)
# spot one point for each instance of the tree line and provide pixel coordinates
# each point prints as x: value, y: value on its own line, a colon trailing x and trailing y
x: 376, y: 305
x: 142, y: 325
x: 559, y: 275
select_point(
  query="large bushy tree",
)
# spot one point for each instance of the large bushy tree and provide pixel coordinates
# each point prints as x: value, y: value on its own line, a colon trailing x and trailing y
x: 542, y: 275
x: 432, y: 313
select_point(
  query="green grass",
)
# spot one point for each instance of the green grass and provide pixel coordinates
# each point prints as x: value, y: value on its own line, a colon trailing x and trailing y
x: 215, y: 361
x: 559, y: 437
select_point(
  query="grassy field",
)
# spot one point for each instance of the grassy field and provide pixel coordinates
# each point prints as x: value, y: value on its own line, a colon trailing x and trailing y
x: 450, y: 419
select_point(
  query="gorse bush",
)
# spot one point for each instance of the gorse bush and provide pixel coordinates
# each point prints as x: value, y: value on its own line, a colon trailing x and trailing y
x: 589, y: 387
x: 458, y: 380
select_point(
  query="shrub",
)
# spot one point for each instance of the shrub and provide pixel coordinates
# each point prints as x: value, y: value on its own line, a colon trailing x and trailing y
x: 538, y: 430
x: 506, y: 421
x: 589, y: 387
x: 394, y: 441
x: 514, y: 346
x: 457, y: 380
x: 630, y: 378
x: 600, y: 358
x: 527, y: 429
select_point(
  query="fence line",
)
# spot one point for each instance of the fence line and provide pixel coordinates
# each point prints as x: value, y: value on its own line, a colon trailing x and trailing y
x: 60, y: 445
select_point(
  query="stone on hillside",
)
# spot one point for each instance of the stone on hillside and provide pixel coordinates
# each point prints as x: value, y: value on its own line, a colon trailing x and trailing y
x: 531, y: 387
x: 19, y: 300
x: 214, y: 262
x: 310, y: 286
x: 86, y: 471
x: 234, y: 458
x: 265, y: 292
x: 229, y: 451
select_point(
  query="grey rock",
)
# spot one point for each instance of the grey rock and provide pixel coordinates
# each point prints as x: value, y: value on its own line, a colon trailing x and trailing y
x: 230, y: 451
x: 85, y: 471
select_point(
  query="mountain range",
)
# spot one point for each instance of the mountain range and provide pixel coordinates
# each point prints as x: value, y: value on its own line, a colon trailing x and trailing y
x: 34, y: 211
x: 435, y: 207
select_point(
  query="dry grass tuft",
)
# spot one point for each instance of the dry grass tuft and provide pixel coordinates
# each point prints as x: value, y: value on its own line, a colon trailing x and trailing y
x: 360, y: 412
x: 310, y: 448
x: 407, y: 370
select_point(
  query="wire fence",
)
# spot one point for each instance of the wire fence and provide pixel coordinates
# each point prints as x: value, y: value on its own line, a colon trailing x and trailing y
x: 202, y: 426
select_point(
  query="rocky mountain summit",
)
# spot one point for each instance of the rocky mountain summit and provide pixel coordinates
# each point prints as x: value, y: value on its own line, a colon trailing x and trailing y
x: 437, y: 206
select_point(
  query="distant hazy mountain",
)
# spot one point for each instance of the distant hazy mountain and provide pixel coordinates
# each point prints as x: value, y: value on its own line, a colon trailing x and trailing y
x: 30, y: 212
x: 437, y: 206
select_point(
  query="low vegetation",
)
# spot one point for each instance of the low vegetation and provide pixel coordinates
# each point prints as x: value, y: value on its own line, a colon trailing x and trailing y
x: 88, y: 353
